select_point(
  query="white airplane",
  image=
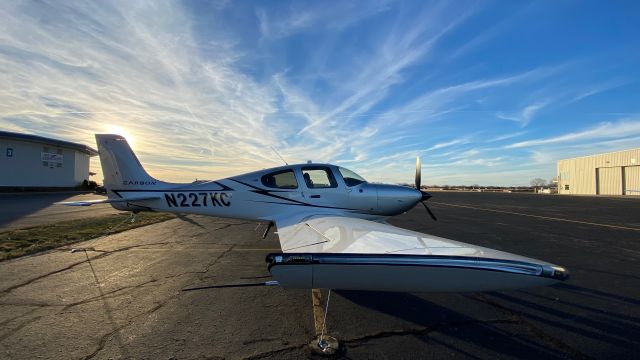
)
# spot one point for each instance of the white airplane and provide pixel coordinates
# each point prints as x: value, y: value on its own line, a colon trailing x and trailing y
x: 331, y: 226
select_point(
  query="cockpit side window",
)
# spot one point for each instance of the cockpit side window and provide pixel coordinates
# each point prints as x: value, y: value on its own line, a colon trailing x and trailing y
x: 318, y: 177
x: 284, y: 179
x: 351, y: 178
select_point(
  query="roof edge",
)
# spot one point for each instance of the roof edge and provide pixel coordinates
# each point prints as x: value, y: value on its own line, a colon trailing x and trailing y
x: 45, y: 140
x: 599, y: 154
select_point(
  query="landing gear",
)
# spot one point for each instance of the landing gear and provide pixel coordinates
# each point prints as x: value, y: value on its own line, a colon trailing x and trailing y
x: 322, y: 345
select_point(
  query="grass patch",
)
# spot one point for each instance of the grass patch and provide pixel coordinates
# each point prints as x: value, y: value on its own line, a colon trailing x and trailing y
x: 19, y: 242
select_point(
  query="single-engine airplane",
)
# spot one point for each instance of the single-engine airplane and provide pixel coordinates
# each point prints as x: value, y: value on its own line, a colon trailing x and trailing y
x: 331, y: 226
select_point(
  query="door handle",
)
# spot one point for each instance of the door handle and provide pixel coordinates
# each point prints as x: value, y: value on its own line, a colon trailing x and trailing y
x: 315, y: 196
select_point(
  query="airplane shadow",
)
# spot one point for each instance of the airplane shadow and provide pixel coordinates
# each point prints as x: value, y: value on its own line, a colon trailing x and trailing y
x: 186, y: 218
x: 456, y: 332
x: 598, y: 325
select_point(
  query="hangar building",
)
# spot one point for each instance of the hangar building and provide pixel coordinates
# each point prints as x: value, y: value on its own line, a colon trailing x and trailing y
x: 30, y: 161
x: 614, y: 173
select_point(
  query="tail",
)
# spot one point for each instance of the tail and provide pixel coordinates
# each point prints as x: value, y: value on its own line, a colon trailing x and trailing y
x: 121, y: 168
x: 125, y: 179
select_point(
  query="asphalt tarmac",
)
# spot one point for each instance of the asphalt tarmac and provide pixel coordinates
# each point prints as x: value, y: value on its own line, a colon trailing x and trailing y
x: 122, y: 298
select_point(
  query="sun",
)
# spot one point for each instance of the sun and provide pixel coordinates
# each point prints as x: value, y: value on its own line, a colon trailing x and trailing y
x: 119, y: 130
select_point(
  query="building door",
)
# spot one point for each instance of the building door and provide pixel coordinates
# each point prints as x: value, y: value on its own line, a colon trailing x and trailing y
x: 632, y: 180
x: 610, y: 181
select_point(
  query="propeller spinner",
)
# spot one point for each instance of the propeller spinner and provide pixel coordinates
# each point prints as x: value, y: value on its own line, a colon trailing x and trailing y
x: 425, y: 195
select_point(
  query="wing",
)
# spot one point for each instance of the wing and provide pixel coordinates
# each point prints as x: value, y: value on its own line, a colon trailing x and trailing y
x: 106, y: 201
x: 355, y: 254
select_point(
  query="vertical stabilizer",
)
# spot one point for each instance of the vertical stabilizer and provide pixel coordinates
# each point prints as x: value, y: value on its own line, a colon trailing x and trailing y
x: 121, y: 168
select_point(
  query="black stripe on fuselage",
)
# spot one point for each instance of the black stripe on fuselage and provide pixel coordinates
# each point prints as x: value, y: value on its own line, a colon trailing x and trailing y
x: 355, y: 211
x: 265, y: 192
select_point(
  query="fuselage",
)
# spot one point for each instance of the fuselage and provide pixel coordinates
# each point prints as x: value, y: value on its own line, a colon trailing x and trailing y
x: 272, y: 193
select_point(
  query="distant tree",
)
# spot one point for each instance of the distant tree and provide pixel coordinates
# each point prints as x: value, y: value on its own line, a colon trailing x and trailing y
x: 538, y: 182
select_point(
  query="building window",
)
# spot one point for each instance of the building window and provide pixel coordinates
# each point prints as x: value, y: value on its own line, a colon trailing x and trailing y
x: 59, y: 152
x: 45, y: 149
x: 566, y: 187
x: 318, y: 177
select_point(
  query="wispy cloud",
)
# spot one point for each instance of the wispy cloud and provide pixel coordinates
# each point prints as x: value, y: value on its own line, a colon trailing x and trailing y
x: 507, y: 136
x: 524, y: 116
x: 606, y: 130
x: 400, y: 49
x: 596, y: 89
x: 276, y: 25
x: 204, y: 90
x: 447, y: 144
x: 135, y: 71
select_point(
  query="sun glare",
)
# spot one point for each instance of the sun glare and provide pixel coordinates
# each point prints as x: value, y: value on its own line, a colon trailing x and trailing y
x: 119, y: 130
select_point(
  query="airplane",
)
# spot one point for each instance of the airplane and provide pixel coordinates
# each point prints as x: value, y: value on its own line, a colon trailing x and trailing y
x: 331, y: 224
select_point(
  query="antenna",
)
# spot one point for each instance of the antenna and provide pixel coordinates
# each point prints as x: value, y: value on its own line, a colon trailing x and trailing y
x: 280, y: 156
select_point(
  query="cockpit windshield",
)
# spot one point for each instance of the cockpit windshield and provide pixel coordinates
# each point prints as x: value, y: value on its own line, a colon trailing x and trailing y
x: 351, y: 178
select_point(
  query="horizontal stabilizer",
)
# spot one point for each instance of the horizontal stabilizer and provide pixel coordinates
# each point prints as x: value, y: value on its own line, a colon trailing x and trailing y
x: 106, y: 201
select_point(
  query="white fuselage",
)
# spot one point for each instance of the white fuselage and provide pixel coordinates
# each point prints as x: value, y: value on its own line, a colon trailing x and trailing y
x: 251, y: 196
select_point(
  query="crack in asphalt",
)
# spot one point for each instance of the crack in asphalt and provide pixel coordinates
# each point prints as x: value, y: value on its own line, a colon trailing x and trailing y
x: 108, y: 295
x: 69, y: 267
x: 256, y: 341
x: 355, y: 342
x: 8, y: 321
x: 423, y: 330
x: 103, y: 340
x: 19, y: 327
x: 228, y: 225
x: 265, y: 354
x: 103, y: 254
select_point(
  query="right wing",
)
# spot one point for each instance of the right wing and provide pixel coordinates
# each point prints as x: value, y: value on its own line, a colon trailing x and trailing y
x: 355, y: 254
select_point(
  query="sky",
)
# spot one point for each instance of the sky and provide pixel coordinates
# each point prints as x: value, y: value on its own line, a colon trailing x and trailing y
x: 486, y: 92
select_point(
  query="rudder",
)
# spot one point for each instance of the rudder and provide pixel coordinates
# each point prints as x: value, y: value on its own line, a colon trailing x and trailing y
x: 120, y: 166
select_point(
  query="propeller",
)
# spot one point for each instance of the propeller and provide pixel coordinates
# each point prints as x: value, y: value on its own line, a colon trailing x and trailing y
x: 425, y: 195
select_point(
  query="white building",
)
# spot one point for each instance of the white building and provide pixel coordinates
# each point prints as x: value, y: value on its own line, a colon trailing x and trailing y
x: 30, y: 161
x: 614, y: 173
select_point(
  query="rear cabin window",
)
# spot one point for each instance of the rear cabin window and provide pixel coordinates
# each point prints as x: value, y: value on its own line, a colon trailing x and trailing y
x: 318, y: 178
x: 280, y: 180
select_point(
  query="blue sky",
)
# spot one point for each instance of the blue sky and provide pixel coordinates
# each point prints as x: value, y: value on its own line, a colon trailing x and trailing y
x: 486, y: 92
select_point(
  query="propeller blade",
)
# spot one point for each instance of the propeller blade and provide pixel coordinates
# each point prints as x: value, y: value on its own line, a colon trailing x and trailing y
x: 418, y: 173
x: 433, y: 216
